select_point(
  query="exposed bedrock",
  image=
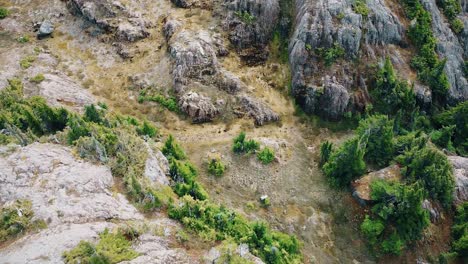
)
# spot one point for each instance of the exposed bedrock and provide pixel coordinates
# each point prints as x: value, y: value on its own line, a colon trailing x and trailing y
x: 251, y: 24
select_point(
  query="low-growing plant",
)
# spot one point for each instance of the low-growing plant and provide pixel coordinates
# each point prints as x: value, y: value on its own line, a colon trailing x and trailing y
x: 460, y: 231
x: 326, y: 149
x: 216, y: 167
x: 170, y: 103
x: 16, y: 219
x: 330, y: 55
x: 4, y: 12
x: 113, y: 247
x: 172, y: 149
x: 27, y: 61
x: 266, y: 155
x: 23, y: 39
x: 245, y: 17
x: 360, y: 7
x: 38, y: 78
x: 379, y: 131
x: 241, y: 145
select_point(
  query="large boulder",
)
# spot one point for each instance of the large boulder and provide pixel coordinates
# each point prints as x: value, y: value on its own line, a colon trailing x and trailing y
x: 460, y: 172
x: 198, y: 107
x: 259, y: 111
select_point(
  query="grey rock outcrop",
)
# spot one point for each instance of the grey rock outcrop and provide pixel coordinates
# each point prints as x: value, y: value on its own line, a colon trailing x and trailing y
x: 46, y: 29
x: 259, y: 111
x: 325, y: 24
x: 157, y: 167
x: 460, y: 172
x: 61, y: 90
x: 449, y: 47
x: 112, y: 17
x: 434, y: 212
x: 251, y: 24
x: 61, y: 188
x: 198, y: 107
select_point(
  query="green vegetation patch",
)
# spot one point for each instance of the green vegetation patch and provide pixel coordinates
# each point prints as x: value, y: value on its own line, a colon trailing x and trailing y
x: 329, y: 55
x: 113, y: 247
x: 245, y: 17
x: 27, y: 61
x: 16, y: 219
x: 452, y: 9
x: 266, y: 155
x: 360, y: 7
x: 4, y: 12
x: 215, y: 222
x: 241, y: 145
x: 427, y: 63
x: 38, y: 78
x: 456, y: 116
x: 460, y: 231
x: 170, y: 103
x: 216, y: 167
x: 397, y: 217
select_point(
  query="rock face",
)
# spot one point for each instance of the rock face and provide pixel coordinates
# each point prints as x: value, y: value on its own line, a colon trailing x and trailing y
x: 460, y: 172
x: 61, y: 90
x: 251, y: 24
x: 157, y: 167
x: 61, y: 188
x: 259, y: 111
x: 449, y: 47
x: 361, y: 187
x: 325, y: 24
x: 112, y: 17
x: 198, y: 107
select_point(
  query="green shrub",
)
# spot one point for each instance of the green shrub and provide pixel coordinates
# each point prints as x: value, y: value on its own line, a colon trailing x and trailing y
x: 460, y: 231
x: 397, y: 216
x: 443, y: 137
x: 23, y: 39
x: 184, y: 175
x: 113, y: 247
x: 391, y: 96
x: 217, y: 222
x: 266, y: 156
x: 457, y: 116
x: 379, y: 131
x: 216, y: 167
x: 170, y: 103
x: 360, y: 7
x: 451, y: 9
x: 95, y: 114
x: 326, y: 149
x: 431, y: 167
x: 173, y: 150
x: 38, y: 78
x: 17, y: 219
x: 3, y: 12
x: 457, y: 25
x: 245, y: 17
x: 27, y: 61
x: 241, y: 145
x: 346, y: 163
x: 330, y: 55
x: 147, y: 129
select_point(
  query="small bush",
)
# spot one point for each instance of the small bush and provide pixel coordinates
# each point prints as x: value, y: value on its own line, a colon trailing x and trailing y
x: 26, y: 62
x: 241, y: 145
x: 147, y: 129
x: 216, y: 167
x: 113, y: 247
x: 330, y: 55
x: 360, y: 7
x: 457, y: 25
x: 379, y: 131
x: 38, y: 78
x: 326, y: 149
x: 4, y: 12
x: 266, y: 156
x: 432, y: 168
x: 346, y: 163
x: 245, y: 17
x: 23, y: 39
x: 460, y: 231
x: 173, y: 150
x: 16, y: 219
